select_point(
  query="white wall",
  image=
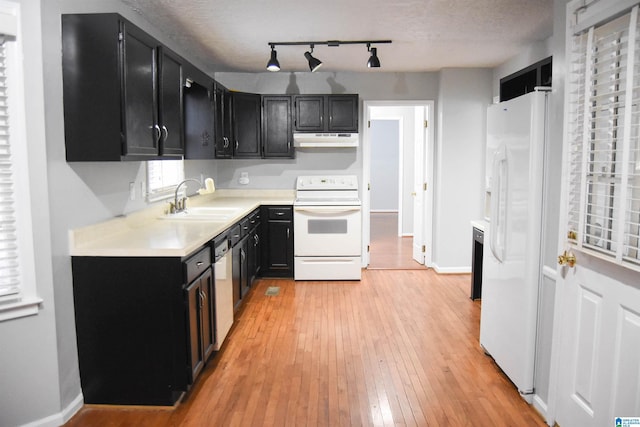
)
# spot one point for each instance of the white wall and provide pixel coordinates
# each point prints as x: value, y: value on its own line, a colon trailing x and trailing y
x: 460, y: 143
x: 385, y: 165
x: 29, y: 376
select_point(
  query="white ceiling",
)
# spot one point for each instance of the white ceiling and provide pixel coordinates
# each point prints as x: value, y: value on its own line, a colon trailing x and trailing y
x: 427, y: 35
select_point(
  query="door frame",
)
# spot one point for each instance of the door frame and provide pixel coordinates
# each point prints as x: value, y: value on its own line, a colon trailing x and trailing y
x: 427, y: 217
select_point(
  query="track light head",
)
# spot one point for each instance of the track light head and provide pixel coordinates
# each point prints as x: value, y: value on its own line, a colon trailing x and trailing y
x: 373, y: 61
x: 314, y: 63
x: 273, y: 64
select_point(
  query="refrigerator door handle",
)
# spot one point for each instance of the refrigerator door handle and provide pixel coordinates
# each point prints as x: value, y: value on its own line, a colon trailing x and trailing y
x: 498, y: 204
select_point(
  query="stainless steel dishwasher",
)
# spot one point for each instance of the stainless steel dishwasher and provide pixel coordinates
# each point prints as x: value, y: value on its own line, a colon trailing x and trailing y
x: 223, y: 289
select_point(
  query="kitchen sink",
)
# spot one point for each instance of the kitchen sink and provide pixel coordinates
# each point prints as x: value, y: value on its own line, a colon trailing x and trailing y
x: 204, y: 213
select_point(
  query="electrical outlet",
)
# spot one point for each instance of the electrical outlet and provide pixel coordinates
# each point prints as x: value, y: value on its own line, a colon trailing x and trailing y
x: 132, y: 191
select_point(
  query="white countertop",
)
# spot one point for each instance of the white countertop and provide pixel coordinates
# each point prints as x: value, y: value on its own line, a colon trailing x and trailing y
x: 144, y: 233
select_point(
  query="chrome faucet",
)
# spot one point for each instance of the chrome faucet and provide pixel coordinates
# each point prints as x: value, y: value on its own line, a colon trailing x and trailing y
x: 180, y: 205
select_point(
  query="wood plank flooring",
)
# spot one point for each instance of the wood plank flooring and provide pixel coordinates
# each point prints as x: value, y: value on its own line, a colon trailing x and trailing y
x: 387, y: 249
x: 399, y: 348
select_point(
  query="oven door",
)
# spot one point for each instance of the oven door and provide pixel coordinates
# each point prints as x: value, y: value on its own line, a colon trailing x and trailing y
x: 327, y: 230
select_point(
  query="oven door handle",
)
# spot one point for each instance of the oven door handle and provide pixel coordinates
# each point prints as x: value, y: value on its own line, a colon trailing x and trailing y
x: 326, y: 210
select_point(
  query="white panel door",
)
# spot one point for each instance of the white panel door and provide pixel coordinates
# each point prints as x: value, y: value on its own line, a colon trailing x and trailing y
x: 599, y: 375
x: 597, y: 339
x: 419, y: 192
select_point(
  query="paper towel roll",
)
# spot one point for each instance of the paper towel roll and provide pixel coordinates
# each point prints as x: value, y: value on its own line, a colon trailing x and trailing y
x: 209, y: 185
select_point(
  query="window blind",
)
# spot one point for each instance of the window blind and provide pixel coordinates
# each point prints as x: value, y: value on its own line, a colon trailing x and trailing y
x: 603, y: 133
x: 9, y: 267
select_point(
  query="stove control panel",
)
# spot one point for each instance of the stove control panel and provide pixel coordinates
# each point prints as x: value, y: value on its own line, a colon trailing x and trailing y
x: 321, y: 182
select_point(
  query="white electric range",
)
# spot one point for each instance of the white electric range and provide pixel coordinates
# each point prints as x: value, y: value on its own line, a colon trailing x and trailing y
x: 327, y: 228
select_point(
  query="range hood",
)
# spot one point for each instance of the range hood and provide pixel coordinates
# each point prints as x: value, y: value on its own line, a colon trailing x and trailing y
x: 325, y: 139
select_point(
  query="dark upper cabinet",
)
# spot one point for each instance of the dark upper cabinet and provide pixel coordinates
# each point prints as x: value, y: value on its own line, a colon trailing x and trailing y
x: 122, y: 91
x: 526, y: 80
x: 309, y: 110
x: 199, y: 110
x: 277, y: 129
x: 223, y: 122
x: 246, y: 121
x: 326, y: 113
x: 342, y: 111
x: 170, y: 107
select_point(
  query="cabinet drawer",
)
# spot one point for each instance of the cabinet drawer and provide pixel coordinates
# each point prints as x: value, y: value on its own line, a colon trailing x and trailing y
x: 235, y: 234
x: 245, y: 226
x: 197, y: 264
x: 280, y: 213
x: 254, y: 218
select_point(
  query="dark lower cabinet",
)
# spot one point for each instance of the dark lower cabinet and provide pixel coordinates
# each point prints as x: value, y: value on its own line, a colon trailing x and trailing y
x: 277, y: 244
x: 200, y: 309
x: 131, y: 328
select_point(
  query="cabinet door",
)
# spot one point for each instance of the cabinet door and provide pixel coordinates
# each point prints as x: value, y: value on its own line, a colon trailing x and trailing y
x: 196, y: 352
x: 223, y: 149
x: 343, y: 113
x: 277, y: 132
x: 245, y: 283
x: 246, y: 119
x: 309, y: 113
x: 198, y: 122
x: 277, y: 242
x: 236, y: 273
x: 207, y: 313
x: 254, y: 253
x: 170, y: 104
x: 141, y: 131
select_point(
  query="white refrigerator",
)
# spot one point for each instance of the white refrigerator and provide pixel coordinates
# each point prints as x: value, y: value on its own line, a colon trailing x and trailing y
x: 516, y: 138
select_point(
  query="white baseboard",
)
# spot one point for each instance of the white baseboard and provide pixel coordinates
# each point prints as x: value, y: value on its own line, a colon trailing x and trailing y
x: 61, y: 417
x: 451, y: 270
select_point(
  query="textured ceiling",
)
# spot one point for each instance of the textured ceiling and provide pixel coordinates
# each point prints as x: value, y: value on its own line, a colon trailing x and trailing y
x: 427, y: 35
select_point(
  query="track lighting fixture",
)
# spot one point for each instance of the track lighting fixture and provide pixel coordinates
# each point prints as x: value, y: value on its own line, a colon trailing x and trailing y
x: 273, y: 64
x: 315, y: 63
x: 373, y: 61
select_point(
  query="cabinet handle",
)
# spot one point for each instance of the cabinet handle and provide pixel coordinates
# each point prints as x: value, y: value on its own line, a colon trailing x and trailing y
x: 199, y: 264
x: 159, y: 133
x: 237, y: 144
x: 256, y: 238
x: 242, y: 255
x: 287, y: 232
x: 165, y: 132
x: 279, y: 213
x: 226, y: 142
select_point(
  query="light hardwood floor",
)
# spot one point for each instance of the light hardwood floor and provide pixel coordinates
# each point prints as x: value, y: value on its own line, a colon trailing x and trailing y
x: 397, y: 348
x: 387, y: 249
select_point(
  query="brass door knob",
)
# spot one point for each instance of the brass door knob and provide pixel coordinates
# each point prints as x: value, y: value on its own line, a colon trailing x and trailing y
x: 567, y: 258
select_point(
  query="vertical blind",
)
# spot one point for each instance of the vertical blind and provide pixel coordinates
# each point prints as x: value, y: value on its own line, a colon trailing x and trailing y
x: 9, y: 267
x: 603, y: 128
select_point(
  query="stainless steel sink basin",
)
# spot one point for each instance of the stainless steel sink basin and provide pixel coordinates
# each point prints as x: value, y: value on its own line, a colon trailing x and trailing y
x: 204, y: 213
